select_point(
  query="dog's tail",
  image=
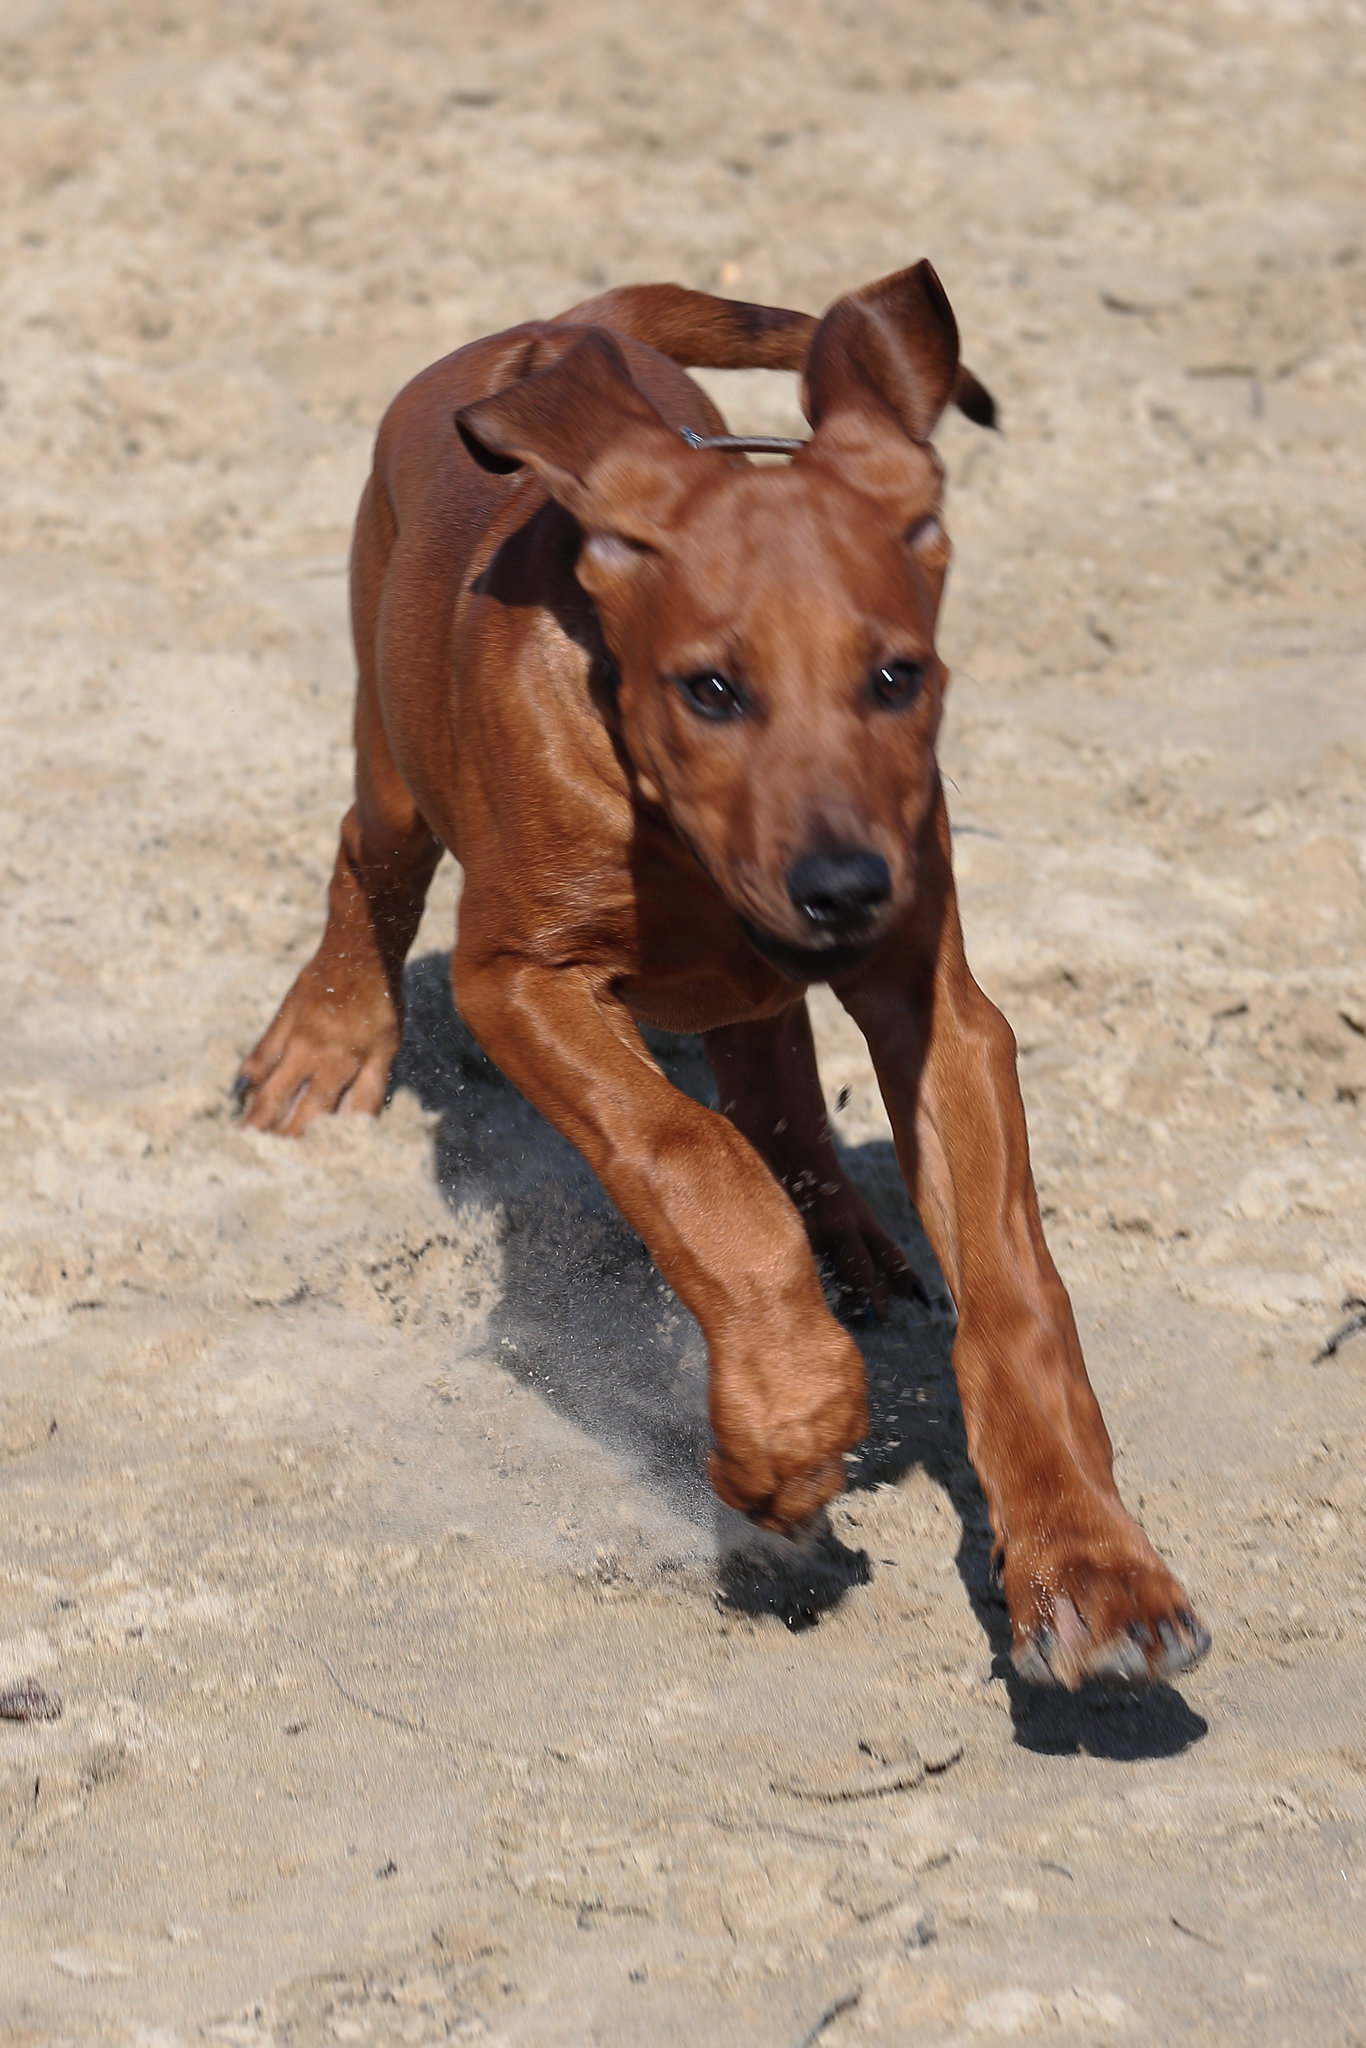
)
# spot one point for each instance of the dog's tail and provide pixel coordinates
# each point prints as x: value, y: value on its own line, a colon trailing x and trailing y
x: 697, y: 331
x: 700, y: 332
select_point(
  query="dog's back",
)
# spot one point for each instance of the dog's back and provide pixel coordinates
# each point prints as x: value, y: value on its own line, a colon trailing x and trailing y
x: 663, y: 329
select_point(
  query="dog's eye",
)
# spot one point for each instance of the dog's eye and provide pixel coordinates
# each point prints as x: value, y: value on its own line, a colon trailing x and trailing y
x: 897, y: 684
x: 711, y: 694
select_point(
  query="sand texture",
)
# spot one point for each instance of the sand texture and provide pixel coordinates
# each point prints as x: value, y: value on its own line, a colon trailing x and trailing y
x: 413, y: 1689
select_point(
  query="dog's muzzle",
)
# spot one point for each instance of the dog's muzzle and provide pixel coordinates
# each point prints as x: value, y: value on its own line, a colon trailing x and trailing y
x: 840, y: 891
x: 806, y: 964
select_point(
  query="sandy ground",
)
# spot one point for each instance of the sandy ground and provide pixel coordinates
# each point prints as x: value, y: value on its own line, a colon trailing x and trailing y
x: 413, y: 1689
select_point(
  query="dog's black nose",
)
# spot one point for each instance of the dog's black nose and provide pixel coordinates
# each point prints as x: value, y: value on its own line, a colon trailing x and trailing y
x: 844, y: 886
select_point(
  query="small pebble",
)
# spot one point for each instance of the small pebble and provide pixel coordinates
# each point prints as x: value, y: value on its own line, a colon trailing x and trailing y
x: 27, y: 1701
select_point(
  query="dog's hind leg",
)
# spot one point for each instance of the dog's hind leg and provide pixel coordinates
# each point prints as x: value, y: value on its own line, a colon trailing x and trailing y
x: 333, y: 1043
x: 769, y: 1086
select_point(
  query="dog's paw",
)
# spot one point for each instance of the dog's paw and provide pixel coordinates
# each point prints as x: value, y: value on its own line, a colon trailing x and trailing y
x: 865, y: 1263
x: 781, y: 1432
x: 789, y: 1503
x: 1085, y: 1612
x: 330, y: 1048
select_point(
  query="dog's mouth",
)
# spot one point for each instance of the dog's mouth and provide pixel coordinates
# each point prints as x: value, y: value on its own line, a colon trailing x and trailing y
x: 810, y: 963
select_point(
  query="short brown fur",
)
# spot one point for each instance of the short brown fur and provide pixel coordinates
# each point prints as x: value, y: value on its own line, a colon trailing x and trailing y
x: 549, y: 589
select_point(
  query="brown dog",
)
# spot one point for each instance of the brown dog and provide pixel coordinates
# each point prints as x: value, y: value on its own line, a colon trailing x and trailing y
x: 675, y: 715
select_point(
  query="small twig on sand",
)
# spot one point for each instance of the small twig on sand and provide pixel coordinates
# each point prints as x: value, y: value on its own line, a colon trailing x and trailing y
x: 1184, y: 1927
x: 832, y: 2012
x: 354, y: 1699
x: 1355, y: 1323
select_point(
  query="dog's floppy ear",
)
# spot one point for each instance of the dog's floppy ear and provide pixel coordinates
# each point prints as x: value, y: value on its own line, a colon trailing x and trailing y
x: 890, y: 348
x: 883, y: 366
x: 592, y: 437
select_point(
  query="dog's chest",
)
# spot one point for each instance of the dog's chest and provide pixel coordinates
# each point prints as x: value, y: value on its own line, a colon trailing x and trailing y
x: 692, y: 967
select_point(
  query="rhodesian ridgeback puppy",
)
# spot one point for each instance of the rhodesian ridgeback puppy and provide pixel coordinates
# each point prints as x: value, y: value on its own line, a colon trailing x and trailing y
x: 675, y: 715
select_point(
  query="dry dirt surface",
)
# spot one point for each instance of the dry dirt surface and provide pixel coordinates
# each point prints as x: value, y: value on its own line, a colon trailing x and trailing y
x: 413, y: 1690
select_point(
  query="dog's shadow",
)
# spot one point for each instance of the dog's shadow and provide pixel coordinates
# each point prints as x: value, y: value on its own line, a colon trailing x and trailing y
x: 585, y: 1319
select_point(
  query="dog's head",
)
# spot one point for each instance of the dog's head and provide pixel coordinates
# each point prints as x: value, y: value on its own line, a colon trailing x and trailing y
x: 774, y: 628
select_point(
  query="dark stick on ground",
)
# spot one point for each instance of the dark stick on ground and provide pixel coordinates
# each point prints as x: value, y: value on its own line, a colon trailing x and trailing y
x: 831, y: 2013
x: 1354, y: 1325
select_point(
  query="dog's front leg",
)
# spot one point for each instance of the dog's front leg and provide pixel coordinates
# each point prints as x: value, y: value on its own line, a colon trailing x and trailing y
x: 787, y: 1393
x: 1088, y: 1594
